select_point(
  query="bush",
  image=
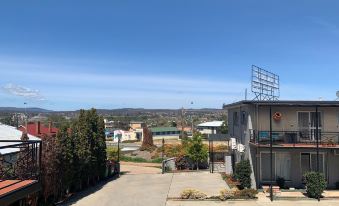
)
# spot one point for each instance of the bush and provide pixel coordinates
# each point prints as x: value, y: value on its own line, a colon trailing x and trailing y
x: 281, y: 182
x: 243, y: 173
x: 192, y: 194
x: 246, y: 194
x: 230, y: 180
x: 181, y: 163
x: 227, y: 194
x: 112, y: 153
x: 315, y: 184
x: 234, y: 193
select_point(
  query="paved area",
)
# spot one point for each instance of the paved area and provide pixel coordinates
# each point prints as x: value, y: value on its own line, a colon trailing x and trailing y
x: 129, y: 190
x: 208, y: 183
x: 143, y: 184
x: 253, y: 203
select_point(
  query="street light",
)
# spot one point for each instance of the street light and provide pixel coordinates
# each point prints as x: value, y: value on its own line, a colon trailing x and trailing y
x: 119, y: 135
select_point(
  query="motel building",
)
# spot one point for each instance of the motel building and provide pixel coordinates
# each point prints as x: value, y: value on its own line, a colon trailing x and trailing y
x: 305, y: 137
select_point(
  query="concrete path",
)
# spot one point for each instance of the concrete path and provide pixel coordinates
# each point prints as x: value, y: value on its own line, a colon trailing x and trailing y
x: 254, y: 203
x: 208, y: 183
x: 145, y: 186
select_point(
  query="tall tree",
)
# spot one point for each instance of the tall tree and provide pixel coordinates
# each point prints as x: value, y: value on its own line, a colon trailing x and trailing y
x: 65, y: 156
x: 147, y: 142
x: 49, y: 169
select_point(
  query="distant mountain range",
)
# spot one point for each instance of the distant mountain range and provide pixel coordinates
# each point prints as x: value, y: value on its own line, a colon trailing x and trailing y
x: 105, y: 111
x: 28, y: 109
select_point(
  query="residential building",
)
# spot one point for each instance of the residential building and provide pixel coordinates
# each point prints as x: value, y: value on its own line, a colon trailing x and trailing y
x: 136, y: 125
x: 19, y: 166
x: 297, y: 129
x: 125, y: 135
x: 37, y: 129
x: 209, y: 127
x: 165, y: 133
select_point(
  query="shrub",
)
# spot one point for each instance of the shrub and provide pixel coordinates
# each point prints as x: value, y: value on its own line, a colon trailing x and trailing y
x: 112, y: 153
x: 230, y: 180
x: 243, y: 173
x: 246, y: 194
x: 181, y: 163
x: 315, y: 184
x: 227, y: 194
x: 281, y: 182
x: 192, y: 194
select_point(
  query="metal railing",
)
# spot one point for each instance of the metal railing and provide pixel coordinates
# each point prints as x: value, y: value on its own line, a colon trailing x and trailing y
x: 294, y: 137
x: 20, y: 160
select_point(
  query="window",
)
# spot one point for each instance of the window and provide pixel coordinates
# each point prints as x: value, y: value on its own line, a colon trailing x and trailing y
x: 309, y: 162
x: 235, y: 119
x: 266, y: 166
x: 281, y: 165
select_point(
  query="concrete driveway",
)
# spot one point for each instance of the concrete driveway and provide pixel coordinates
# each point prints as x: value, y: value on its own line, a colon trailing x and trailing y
x: 151, y: 189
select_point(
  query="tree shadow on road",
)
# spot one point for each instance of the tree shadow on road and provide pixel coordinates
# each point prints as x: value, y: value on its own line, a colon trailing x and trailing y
x: 79, y: 195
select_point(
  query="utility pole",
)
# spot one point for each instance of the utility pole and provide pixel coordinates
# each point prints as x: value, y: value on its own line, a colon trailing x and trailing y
x: 26, y: 117
x: 182, y: 122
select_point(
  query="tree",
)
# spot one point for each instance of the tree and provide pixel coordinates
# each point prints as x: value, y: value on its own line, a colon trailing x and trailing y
x: 66, y: 158
x: 224, y: 126
x: 49, y: 169
x: 147, y: 142
x: 243, y: 173
x: 196, y: 149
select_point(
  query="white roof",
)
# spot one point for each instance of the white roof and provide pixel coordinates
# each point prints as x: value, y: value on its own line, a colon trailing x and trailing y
x: 211, y: 124
x: 11, y: 133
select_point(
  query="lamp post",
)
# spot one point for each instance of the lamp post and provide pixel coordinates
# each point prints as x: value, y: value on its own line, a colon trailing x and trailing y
x: 119, y: 135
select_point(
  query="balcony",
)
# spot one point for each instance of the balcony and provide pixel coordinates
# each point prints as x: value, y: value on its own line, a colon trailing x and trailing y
x: 295, y: 138
x: 19, y: 170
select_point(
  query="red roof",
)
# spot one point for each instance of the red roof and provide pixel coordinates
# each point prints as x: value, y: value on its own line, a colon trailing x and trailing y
x: 32, y: 129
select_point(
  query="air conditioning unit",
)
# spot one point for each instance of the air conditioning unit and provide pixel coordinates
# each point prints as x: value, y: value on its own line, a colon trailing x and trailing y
x: 336, y: 152
x: 233, y: 143
x: 241, y: 148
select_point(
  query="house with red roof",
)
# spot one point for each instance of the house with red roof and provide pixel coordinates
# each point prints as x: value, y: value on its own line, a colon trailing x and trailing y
x: 37, y: 129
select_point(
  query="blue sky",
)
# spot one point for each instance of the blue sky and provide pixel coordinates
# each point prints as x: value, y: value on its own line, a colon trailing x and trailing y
x: 66, y: 55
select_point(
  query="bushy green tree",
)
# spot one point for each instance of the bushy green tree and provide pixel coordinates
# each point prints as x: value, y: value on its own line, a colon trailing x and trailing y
x: 243, y: 173
x: 196, y: 150
x: 66, y: 158
x: 315, y: 184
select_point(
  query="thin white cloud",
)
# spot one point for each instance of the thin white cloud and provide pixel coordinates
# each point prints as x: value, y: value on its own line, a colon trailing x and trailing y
x: 21, y: 91
x: 332, y: 27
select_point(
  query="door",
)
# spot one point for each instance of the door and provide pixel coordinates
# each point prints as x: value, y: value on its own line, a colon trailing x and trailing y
x: 313, y: 126
x: 304, y: 125
x: 307, y: 122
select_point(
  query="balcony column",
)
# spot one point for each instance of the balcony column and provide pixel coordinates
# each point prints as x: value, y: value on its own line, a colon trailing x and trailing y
x: 317, y: 137
x: 271, y: 155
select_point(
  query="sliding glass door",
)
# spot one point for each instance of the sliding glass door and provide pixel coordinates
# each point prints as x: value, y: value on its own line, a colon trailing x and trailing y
x: 307, y: 123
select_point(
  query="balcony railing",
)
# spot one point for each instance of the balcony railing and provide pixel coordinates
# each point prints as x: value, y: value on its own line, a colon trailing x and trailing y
x: 20, y: 160
x: 294, y: 137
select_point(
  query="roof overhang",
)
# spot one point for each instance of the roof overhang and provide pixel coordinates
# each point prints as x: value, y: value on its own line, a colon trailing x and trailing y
x: 285, y: 103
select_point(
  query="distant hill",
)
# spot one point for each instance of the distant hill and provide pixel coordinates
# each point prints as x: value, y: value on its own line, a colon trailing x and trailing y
x: 122, y: 111
x: 29, y: 110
